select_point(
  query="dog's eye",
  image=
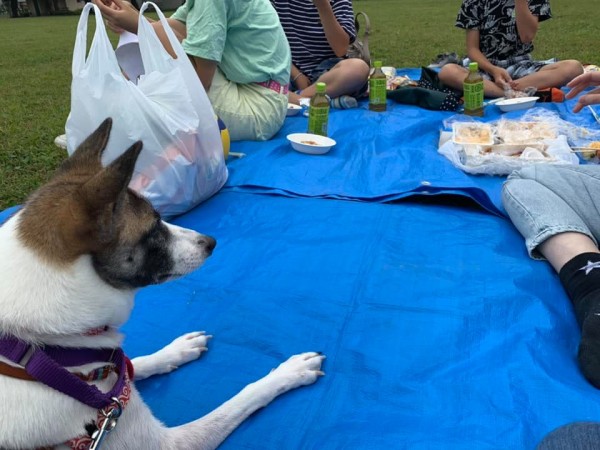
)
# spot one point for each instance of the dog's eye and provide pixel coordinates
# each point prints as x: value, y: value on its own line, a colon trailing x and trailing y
x: 130, y: 259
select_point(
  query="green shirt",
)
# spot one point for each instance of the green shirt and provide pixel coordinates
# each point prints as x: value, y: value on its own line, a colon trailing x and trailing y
x: 244, y: 37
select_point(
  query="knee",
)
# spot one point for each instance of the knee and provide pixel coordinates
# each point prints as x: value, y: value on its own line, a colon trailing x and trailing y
x: 574, y: 68
x: 451, y: 72
x: 356, y: 66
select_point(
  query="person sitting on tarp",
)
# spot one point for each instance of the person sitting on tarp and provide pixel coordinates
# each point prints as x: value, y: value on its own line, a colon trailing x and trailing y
x: 240, y: 54
x: 499, y: 38
x: 556, y: 210
x: 319, y: 33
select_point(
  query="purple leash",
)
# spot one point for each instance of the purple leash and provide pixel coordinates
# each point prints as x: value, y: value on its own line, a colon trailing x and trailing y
x: 47, y: 365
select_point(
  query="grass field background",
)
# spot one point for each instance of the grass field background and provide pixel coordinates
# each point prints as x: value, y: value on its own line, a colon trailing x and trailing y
x: 36, y: 54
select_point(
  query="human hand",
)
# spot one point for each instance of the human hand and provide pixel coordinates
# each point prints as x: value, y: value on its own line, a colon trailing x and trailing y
x: 119, y: 15
x: 501, y: 77
x: 581, y: 82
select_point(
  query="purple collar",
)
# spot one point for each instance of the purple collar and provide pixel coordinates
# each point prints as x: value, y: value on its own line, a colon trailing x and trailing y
x: 47, y: 365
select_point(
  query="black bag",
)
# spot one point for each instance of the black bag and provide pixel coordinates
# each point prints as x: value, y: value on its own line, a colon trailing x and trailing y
x: 360, y: 48
x: 430, y: 93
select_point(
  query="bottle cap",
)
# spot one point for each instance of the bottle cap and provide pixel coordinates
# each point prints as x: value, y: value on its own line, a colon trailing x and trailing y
x: 377, y: 64
x: 473, y: 67
x: 321, y: 87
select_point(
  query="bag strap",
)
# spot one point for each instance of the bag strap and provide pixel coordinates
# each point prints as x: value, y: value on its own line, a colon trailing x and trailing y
x: 154, y: 56
x: 101, y: 48
x: 365, y: 38
x: 367, y: 23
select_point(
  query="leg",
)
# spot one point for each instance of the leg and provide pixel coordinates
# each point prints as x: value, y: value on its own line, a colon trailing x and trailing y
x: 561, y: 248
x: 556, y: 211
x: 546, y: 201
x: 345, y: 78
x: 552, y: 75
x: 576, y: 435
x: 182, y: 350
x: 209, y: 431
x: 453, y: 75
x: 250, y: 111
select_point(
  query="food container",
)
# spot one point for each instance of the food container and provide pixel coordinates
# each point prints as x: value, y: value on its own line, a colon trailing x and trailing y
x: 312, y: 144
x: 472, y: 133
x: 516, y: 104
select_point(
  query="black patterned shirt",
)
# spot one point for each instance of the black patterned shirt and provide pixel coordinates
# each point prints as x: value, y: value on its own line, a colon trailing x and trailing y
x: 497, y: 25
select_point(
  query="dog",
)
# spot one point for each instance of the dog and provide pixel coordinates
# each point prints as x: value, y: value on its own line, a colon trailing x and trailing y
x: 71, y: 261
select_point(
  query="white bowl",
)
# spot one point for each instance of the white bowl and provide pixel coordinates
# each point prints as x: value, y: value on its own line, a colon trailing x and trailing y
x: 515, y: 104
x: 293, y: 109
x: 313, y: 144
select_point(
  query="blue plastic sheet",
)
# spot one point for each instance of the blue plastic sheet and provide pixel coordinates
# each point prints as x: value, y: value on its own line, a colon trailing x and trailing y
x: 439, y: 331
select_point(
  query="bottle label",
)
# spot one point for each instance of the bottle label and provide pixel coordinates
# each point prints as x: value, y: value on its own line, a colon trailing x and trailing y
x: 473, y: 95
x: 317, y: 120
x: 377, y: 91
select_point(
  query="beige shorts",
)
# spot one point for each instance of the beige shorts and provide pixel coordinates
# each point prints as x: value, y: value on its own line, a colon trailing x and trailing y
x: 250, y: 111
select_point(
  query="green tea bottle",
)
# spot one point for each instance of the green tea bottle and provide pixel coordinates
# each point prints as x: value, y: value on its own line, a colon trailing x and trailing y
x: 377, y: 89
x: 318, y: 111
x: 473, y: 91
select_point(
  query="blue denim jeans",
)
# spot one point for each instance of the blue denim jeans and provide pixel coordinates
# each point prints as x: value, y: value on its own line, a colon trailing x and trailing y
x: 574, y: 436
x: 545, y: 200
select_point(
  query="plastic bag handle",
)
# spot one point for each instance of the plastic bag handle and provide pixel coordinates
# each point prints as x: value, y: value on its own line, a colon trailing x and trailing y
x: 101, y: 49
x: 145, y: 30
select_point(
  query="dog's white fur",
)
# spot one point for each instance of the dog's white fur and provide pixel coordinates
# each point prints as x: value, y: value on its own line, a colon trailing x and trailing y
x: 55, y: 304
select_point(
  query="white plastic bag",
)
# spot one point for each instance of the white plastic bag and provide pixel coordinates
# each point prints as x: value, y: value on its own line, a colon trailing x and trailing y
x: 552, y: 134
x: 182, y: 162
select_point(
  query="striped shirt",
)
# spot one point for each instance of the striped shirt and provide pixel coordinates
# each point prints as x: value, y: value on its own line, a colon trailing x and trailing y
x: 303, y: 29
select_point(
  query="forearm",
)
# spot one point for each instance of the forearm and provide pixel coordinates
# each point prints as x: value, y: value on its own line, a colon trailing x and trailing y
x: 298, y: 78
x: 336, y: 36
x: 474, y: 53
x: 527, y: 23
x: 481, y: 60
x: 205, y: 69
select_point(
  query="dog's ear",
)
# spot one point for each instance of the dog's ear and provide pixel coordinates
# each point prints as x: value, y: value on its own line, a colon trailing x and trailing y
x: 89, y: 152
x: 106, y: 186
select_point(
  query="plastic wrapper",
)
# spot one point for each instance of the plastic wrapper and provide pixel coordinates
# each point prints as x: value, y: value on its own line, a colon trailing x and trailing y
x: 498, y: 148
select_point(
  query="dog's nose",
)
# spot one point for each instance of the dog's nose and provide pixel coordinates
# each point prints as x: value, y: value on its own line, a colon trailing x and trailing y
x: 208, y: 243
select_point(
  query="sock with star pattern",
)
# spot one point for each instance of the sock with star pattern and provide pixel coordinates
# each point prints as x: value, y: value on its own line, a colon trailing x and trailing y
x: 581, y: 280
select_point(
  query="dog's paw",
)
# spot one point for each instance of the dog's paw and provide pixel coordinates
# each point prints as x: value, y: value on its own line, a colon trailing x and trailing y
x: 300, y: 370
x: 182, y: 350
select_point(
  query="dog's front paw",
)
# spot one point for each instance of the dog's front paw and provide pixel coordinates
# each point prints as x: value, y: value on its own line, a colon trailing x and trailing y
x: 300, y: 370
x: 182, y: 350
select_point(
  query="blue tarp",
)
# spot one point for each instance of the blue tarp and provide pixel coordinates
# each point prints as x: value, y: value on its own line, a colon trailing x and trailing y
x: 439, y: 331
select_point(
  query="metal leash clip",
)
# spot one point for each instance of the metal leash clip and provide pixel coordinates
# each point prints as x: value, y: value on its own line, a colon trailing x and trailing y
x: 109, y: 424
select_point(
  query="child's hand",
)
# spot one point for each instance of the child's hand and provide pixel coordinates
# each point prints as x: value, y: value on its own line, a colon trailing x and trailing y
x: 119, y: 15
x: 501, y: 77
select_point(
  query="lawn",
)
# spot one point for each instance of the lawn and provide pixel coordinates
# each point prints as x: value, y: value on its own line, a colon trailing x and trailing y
x: 36, y: 60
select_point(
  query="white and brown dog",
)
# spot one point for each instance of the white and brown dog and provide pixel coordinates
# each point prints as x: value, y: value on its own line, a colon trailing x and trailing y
x: 70, y: 262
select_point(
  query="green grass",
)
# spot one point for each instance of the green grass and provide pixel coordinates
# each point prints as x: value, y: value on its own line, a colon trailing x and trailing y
x: 36, y: 54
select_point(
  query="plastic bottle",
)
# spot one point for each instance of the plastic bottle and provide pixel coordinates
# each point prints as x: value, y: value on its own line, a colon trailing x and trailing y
x: 318, y: 111
x: 473, y: 91
x: 377, y: 89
